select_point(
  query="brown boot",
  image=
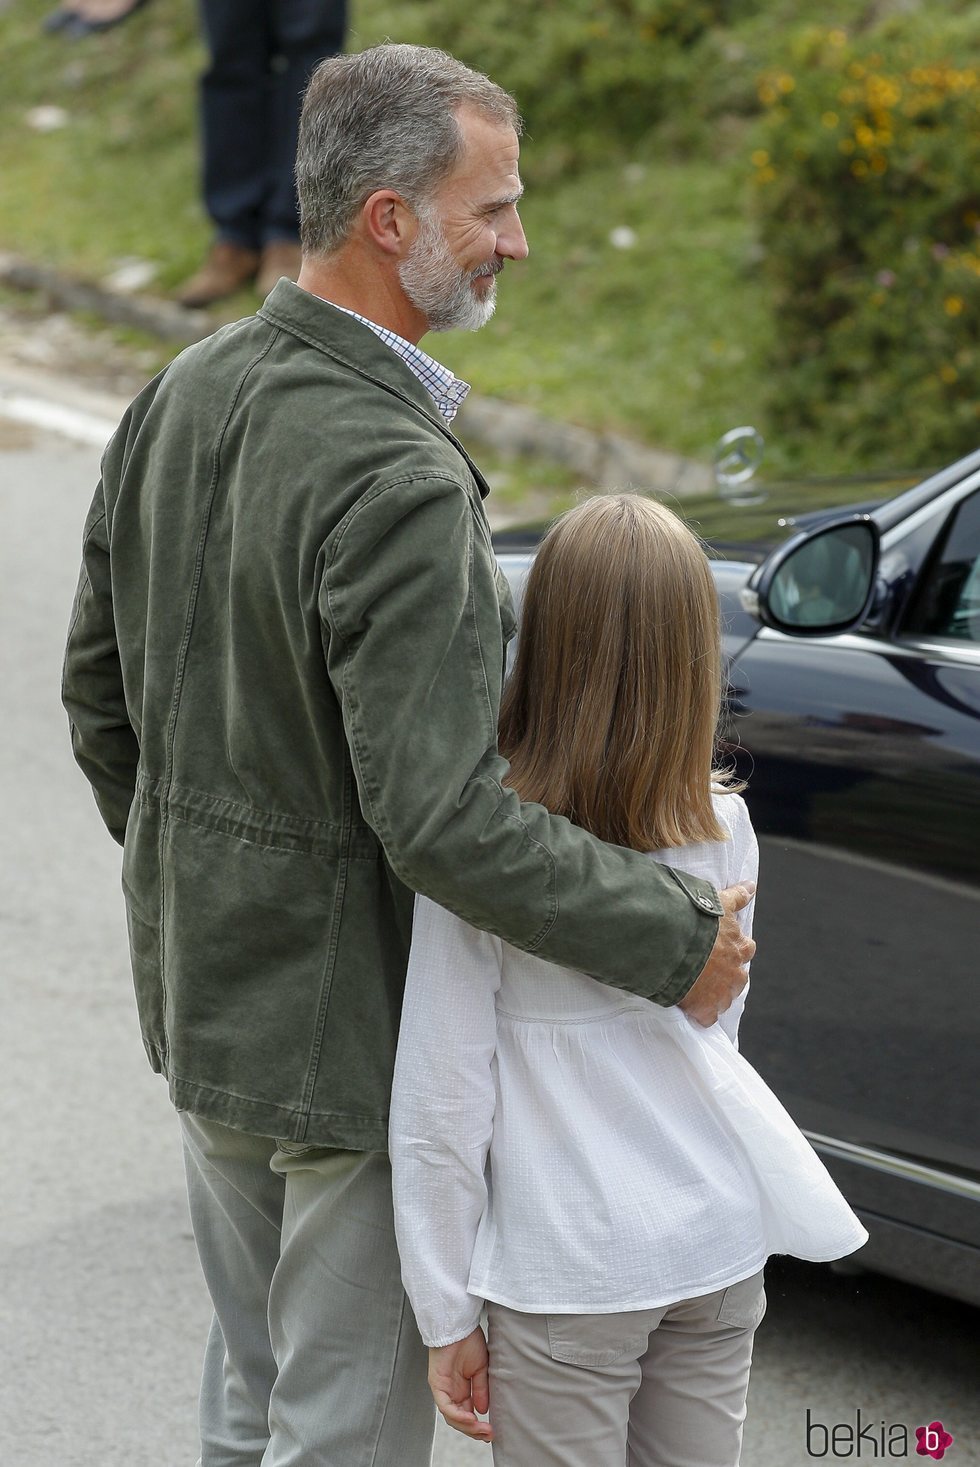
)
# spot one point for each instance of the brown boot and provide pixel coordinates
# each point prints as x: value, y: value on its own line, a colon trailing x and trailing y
x: 226, y: 270
x: 282, y: 257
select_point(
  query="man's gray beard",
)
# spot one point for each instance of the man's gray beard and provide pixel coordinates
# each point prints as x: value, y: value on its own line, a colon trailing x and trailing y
x: 436, y: 285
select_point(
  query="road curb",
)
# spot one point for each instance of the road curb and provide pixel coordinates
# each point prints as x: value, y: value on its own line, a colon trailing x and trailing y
x: 604, y: 460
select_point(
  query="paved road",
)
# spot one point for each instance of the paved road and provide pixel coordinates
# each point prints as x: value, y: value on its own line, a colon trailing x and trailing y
x: 102, y: 1307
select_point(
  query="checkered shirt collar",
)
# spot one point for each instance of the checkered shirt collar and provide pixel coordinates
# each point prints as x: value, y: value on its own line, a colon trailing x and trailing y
x: 447, y: 391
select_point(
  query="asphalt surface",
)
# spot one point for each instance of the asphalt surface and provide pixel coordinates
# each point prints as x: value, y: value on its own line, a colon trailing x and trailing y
x: 102, y: 1309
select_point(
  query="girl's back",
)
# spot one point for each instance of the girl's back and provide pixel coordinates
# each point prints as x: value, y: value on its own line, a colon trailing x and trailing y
x: 606, y: 1173
x: 616, y: 1181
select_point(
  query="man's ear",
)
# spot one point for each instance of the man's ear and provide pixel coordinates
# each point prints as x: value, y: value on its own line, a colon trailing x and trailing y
x: 388, y: 222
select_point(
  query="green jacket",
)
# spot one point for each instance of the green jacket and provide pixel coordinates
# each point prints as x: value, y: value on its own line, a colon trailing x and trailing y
x: 282, y: 678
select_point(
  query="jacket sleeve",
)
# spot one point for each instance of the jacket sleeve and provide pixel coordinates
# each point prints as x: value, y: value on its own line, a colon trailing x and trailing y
x: 442, y: 1107
x: 104, y: 742
x: 414, y: 650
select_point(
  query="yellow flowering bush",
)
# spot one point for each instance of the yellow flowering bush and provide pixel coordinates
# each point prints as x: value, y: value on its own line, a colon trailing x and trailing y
x: 866, y: 180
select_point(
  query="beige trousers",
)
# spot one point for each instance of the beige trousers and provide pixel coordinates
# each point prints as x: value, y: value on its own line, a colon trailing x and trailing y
x: 650, y: 1388
x: 314, y: 1358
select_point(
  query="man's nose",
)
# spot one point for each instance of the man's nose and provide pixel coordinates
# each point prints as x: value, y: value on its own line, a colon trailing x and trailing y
x: 512, y: 241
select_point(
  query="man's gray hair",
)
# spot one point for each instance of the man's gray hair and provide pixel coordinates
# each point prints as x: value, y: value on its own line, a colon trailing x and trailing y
x: 383, y: 118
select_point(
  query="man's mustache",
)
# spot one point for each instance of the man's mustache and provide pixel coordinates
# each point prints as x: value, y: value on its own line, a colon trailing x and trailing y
x: 492, y: 267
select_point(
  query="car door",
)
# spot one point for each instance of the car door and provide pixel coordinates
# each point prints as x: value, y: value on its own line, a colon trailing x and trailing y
x: 863, y: 753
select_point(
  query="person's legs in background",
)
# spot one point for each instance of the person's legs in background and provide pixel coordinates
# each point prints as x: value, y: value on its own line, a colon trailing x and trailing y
x: 236, y: 92
x: 313, y: 1355
x: 235, y: 127
x: 303, y: 32
x: 77, y: 18
x: 261, y: 55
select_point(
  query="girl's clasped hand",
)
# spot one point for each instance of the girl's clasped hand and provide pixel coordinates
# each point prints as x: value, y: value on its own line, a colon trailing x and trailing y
x: 460, y: 1384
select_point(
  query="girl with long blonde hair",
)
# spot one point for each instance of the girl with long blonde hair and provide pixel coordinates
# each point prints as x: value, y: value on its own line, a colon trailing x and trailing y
x: 604, y: 1174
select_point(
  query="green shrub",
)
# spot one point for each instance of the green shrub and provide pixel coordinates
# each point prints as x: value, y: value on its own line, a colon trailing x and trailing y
x: 867, y: 184
x: 582, y: 73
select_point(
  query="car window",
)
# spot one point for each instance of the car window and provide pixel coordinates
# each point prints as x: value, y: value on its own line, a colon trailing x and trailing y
x: 947, y: 603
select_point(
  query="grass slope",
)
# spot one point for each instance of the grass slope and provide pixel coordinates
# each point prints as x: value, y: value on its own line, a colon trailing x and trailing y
x: 667, y: 339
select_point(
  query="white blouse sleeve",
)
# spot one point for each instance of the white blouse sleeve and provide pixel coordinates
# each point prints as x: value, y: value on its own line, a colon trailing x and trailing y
x: 743, y: 865
x: 442, y: 1108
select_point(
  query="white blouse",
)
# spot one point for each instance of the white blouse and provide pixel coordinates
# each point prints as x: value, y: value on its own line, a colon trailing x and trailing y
x: 560, y: 1146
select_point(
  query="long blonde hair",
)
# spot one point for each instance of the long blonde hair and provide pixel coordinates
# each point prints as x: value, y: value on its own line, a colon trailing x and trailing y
x: 610, y: 714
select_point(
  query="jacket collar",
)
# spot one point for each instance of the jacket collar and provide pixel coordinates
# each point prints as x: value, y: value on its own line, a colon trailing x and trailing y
x: 337, y: 335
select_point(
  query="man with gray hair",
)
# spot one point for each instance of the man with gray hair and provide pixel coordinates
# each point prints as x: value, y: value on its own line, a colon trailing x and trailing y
x: 282, y: 676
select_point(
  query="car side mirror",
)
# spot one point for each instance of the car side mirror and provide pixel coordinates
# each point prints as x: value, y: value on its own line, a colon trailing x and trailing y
x: 819, y: 583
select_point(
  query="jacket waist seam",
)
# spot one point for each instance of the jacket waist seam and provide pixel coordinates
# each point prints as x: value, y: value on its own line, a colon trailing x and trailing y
x: 356, y: 1120
x: 258, y: 827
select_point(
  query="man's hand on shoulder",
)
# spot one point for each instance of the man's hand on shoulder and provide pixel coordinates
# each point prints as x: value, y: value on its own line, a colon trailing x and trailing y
x: 723, y: 976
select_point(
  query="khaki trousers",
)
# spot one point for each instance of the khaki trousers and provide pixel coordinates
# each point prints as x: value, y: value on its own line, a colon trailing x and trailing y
x: 314, y: 1358
x: 650, y: 1388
